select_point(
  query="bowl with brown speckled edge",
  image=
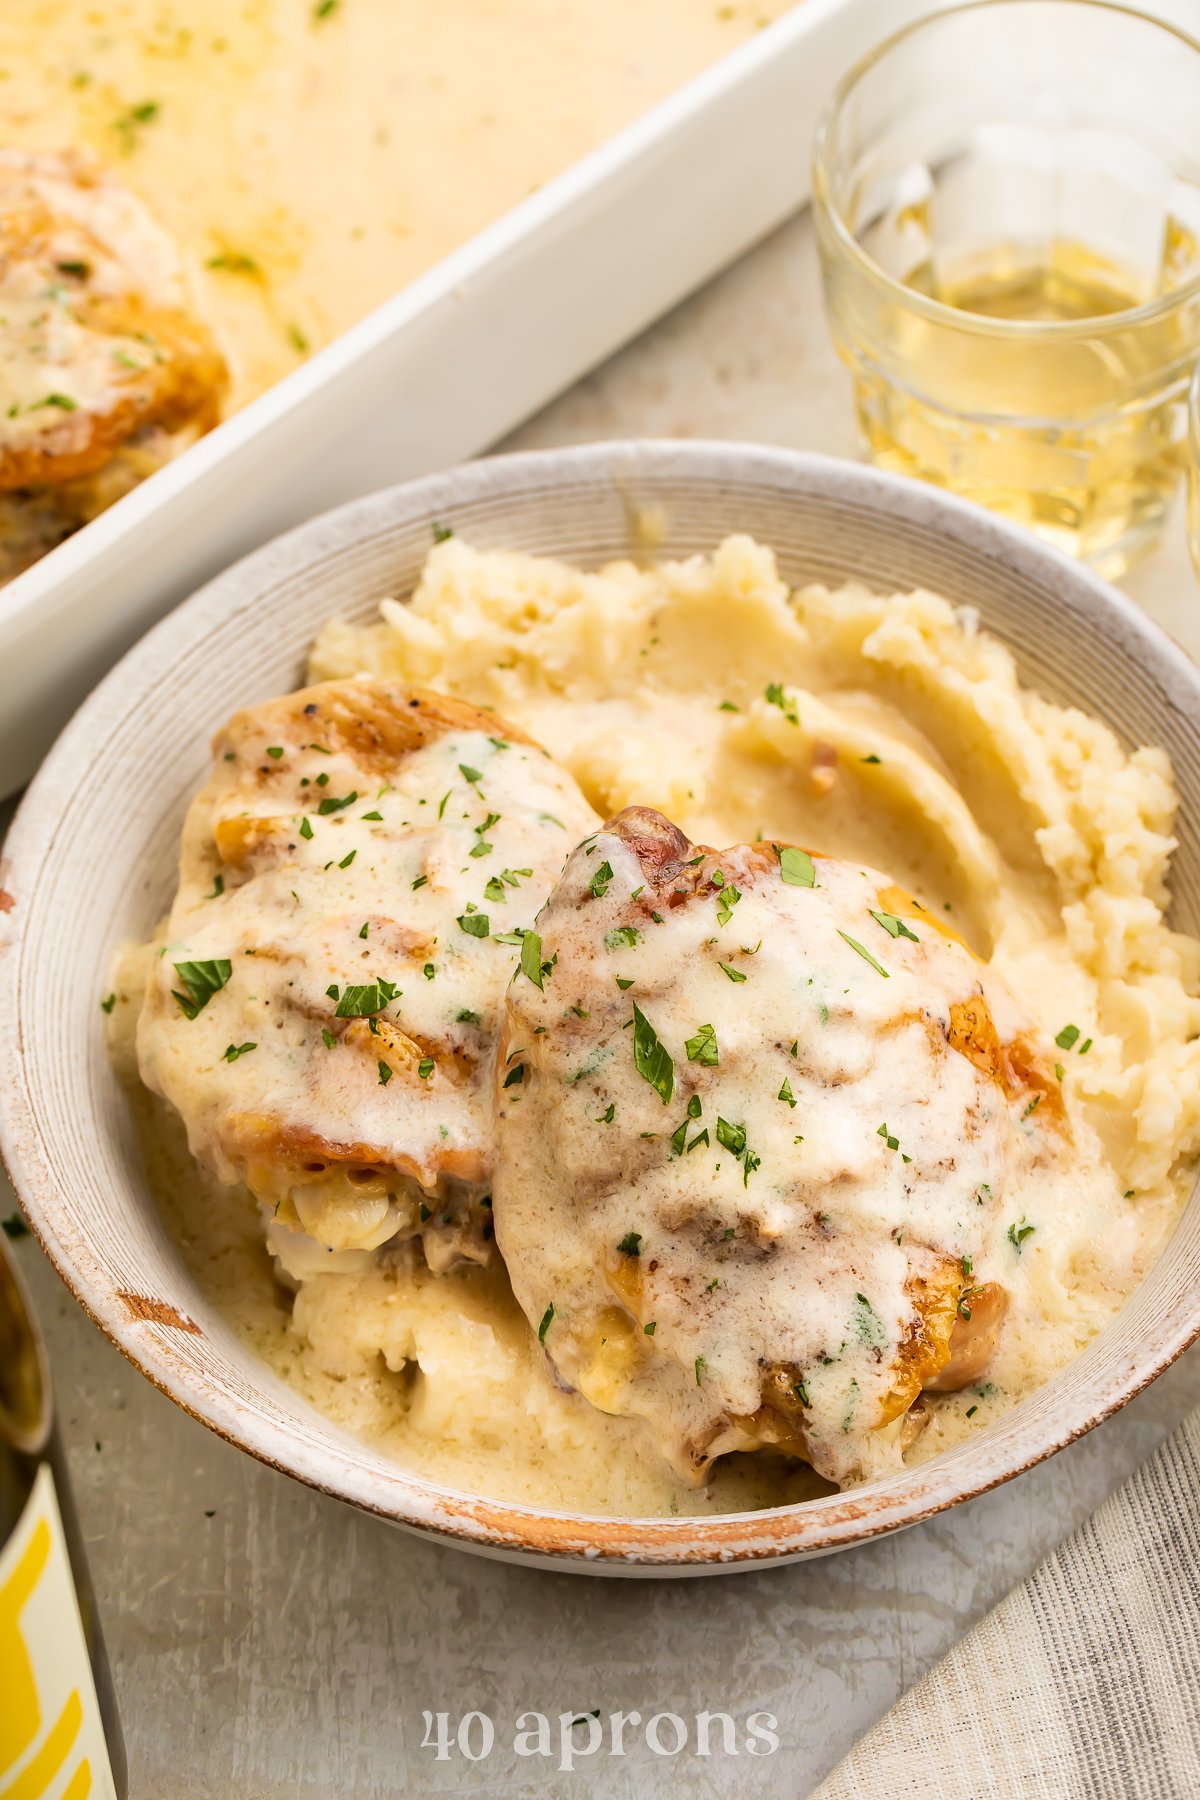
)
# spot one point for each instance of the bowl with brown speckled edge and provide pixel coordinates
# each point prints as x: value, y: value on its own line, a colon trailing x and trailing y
x: 90, y: 861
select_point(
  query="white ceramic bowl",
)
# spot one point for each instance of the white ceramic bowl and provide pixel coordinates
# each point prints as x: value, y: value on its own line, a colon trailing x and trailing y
x: 91, y: 856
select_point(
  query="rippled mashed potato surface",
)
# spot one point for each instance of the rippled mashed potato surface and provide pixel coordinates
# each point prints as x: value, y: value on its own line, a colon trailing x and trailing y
x: 889, y: 730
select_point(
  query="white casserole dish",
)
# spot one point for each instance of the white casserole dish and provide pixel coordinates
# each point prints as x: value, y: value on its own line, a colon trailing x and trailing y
x: 449, y: 364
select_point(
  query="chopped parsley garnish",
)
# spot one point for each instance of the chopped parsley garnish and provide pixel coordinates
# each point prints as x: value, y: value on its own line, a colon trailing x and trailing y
x: 864, y: 953
x: 475, y: 924
x: 775, y: 695
x: 801, y: 1393
x: 1017, y: 1233
x: 703, y: 1048
x: 493, y: 889
x: 440, y: 534
x: 785, y: 1092
x: 701, y: 1365
x: 622, y: 937
x: 796, y: 867
x: 474, y: 776
x: 624, y: 982
x: 726, y: 901
x: 1085, y: 1046
x: 201, y: 980
x: 731, y: 1137
x: 108, y: 1002
x: 1059, y: 1071
x: 365, y: 928
x: 64, y: 403
x: 651, y: 1058
x: 968, y: 1266
x: 531, y: 958
x: 429, y: 971
x: 701, y: 1137
x: 866, y: 1323
x: 372, y: 817
x: 329, y: 1038
x: 218, y: 888
x: 544, y: 1327
x: 467, y: 1017
x: 1033, y: 1106
x: 347, y: 859
x: 385, y: 1074
x: 733, y: 974
x: 275, y: 751
x: 606, y: 1118
x: 1068, y: 1037
x: 649, y: 1329
x: 365, y: 999
x: 894, y: 927
x: 515, y: 1077
x: 598, y: 885
x: 728, y: 706
x: 234, y: 262
x: 870, y: 759
x: 233, y: 1051
x: 306, y: 829
x: 425, y: 1067
x: 330, y: 803
x: 631, y: 1244
x: 419, y: 882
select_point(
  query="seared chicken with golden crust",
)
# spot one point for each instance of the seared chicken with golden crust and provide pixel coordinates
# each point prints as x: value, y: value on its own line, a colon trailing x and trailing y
x: 104, y: 372
x: 324, y: 1011
x: 758, y: 1115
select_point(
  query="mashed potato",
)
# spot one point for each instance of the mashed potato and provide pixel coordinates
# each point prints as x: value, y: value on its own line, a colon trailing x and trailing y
x: 887, y: 730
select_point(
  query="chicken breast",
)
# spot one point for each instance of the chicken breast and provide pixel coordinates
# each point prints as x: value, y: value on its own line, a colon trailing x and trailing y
x: 324, y: 1012
x: 757, y: 1114
x: 105, y: 373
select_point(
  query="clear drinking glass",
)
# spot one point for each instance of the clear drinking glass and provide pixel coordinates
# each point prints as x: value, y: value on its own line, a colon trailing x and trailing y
x: 1007, y: 200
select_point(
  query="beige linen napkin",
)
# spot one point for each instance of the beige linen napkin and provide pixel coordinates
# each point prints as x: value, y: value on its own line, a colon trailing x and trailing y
x: 1085, y: 1681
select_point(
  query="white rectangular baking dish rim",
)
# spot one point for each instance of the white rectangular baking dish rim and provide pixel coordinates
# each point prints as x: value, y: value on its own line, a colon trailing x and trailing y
x: 448, y: 364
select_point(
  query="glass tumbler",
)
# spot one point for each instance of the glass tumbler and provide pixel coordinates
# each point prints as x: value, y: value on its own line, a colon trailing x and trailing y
x: 1007, y: 204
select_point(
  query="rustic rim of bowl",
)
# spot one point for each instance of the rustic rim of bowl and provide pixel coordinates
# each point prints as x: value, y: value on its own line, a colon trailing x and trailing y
x: 151, y: 1339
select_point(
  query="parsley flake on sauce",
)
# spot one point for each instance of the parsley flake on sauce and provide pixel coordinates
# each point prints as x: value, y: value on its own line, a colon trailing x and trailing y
x: 726, y: 901
x: 547, y: 1318
x: 1017, y: 1233
x: 796, y: 867
x: 651, y: 1058
x: 330, y: 803
x: 531, y: 958
x: 733, y: 974
x: 363, y: 1000
x: 623, y: 937
x: 475, y: 924
x: 864, y: 953
x: 598, y: 885
x: 200, y: 981
x: 894, y: 927
x: 233, y: 1051
x: 703, y: 1048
